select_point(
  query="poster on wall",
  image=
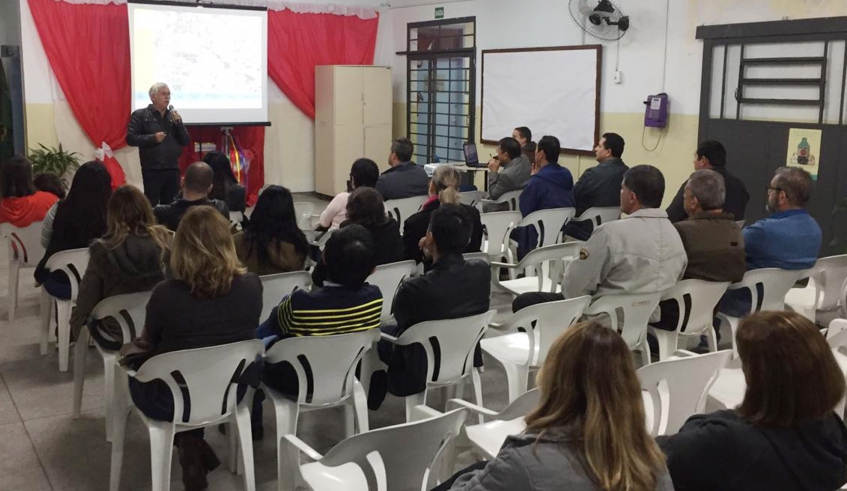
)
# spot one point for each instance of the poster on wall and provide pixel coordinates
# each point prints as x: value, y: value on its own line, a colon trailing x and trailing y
x: 804, y: 148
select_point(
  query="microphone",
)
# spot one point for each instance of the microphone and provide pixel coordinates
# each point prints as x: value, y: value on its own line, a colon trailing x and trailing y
x: 170, y: 108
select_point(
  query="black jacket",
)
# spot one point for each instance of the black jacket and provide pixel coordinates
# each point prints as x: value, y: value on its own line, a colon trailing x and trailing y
x: 389, y: 248
x: 404, y: 180
x: 735, y: 202
x: 599, y: 186
x: 415, y: 227
x: 720, y: 452
x: 170, y: 215
x: 143, y: 125
x: 454, y: 288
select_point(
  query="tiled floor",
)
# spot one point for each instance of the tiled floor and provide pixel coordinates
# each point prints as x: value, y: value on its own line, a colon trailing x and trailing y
x: 43, y: 448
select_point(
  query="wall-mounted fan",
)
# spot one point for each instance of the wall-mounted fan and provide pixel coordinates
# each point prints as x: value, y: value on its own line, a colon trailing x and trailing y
x: 599, y: 18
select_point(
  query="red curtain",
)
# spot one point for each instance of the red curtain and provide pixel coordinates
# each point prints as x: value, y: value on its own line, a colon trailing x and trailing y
x: 88, y: 48
x: 299, y: 42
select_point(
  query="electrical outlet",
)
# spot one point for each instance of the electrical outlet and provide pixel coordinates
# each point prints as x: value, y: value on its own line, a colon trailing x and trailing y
x: 618, y: 76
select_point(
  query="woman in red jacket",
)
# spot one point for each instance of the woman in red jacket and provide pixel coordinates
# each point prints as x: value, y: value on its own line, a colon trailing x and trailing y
x: 21, y: 204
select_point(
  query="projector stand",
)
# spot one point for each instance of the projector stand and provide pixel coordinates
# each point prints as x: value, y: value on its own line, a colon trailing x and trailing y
x: 225, y: 132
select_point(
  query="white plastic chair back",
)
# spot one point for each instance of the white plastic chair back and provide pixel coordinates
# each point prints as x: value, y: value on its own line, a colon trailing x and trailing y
x: 276, y: 286
x: 511, y: 197
x: 829, y: 275
x: 325, y: 365
x: 73, y: 263
x: 24, y: 243
x: 696, y: 300
x: 740, y: 223
x: 304, y: 210
x: 521, y: 406
x: 455, y: 339
x: 548, y: 262
x: 636, y: 310
x: 129, y: 311
x: 236, y: 218
x: 599, y: 215
x: 678, y: 388
x: 401, y: 209
x: 387, y: 277
x: 480, y: 256
x: 548, y: 224
x: 497, y: 227
x: 836, y: 335
x: 397, y: 458
x: 205, y: 390
x: 471, y: 198
x: 775, y: 284
x: 551, y: 320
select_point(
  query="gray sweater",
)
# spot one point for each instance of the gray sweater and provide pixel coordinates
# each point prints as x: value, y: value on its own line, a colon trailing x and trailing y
x: 547, y: 466
x: 511, y: 177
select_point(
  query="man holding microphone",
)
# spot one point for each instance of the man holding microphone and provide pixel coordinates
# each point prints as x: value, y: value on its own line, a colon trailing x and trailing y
x: 159, y: 134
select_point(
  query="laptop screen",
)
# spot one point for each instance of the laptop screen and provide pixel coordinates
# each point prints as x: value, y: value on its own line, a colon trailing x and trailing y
x: 471, y: 157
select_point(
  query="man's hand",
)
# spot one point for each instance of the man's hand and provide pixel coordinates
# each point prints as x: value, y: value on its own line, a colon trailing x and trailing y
x: 175, y: 117
x: 494, y: 164
x: 160, y: 136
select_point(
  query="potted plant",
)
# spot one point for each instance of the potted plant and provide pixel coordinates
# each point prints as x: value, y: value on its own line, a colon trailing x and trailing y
x: 53, y: 161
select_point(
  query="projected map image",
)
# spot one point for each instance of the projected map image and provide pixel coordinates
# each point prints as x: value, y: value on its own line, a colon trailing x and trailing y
x: 208, y: 58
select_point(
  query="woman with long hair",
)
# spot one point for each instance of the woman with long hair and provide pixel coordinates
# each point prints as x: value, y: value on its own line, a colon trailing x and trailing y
x: 127, y: 259
x: 366, y: 208
x: 225, y: 187
x: 80, y: 219
x: 21, y: 203
x: 363, y: 173
x: 588, y: 431
x: 785, y: 434
x: 209, y: 300
x: 443, y: 189
x: 271, y: 241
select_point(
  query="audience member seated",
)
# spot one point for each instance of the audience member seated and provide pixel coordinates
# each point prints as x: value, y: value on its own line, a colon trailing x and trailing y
x: 366, y: 208
x: 712, y: 240
x: 443, y: 189
x: 209, y: 300
x: 21, y: 203
x: 127, y: 259
x: 224, y: 185
x: 196, y: 186
x: 599, y: 186
x: 344, y: 304
x: 50, y: 183
x: 453, y: 288
x: 364, y: 173
x: 551, y: 186
x: 271, y: 241
x: 509, y: 170
x: 80, y: 219
x: 711, y: 154
x: 640, y: 253
x: 587, y: 432
x: 404, y: 179
x: 524, y: 137
x: 784, y: 435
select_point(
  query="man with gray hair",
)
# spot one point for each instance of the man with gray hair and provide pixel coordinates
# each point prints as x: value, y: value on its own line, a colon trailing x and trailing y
x: 404, y: 179
x: 159, y: 133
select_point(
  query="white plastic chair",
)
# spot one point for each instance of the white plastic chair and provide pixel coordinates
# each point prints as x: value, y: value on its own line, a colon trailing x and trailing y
x: 775, y: 284
x: 235, y: 219
x: 696, y: 300
x: 678, y: 388
x: 478, y: 256
x: 599, y: 215
x: 522, y: 352
x: 511, y: 197
x: 636, y: 310
x: 304, y: 211
x: 405, y: 457
x: 401, y: 209
x: 548, y: 224
x: 129, y: 311
x: 73, y: 263
x: 25, y: 250
x: 740, y: 223
x: 487, y: 438
x: 276, y: 286
x: 497, y: 227
x: 325, y: 368
x: 208, y: 376
x: 822, y: 296
x: 471, y: 198
x: 387, y: 277
x: 543, y: 268
x: 456, y: 340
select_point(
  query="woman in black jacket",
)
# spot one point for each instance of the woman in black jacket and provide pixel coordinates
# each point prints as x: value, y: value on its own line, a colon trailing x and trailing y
x: 784, y: 435
x: 225, y: 187
x: 366, y: 208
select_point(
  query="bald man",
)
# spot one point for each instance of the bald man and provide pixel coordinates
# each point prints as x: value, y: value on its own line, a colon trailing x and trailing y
x: 196, y: 186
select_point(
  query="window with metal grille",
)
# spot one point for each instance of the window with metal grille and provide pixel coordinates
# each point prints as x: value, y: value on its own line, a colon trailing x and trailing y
x: 441, y: 86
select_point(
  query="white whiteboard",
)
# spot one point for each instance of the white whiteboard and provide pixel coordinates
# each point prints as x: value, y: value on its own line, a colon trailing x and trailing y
x: 552, y: 91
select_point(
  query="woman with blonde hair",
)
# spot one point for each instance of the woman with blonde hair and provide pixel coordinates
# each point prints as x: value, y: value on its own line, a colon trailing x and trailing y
x: 785, y: 434
x: 588, y: 432
x: 209, y: 300
x: 127, y: 259
x: 443, y: 189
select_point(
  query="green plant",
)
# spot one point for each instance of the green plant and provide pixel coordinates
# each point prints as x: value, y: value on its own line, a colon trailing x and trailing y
x: 53, y: 161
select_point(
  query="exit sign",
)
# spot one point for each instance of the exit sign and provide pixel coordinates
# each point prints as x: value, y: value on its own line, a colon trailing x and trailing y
x: 439, y: 12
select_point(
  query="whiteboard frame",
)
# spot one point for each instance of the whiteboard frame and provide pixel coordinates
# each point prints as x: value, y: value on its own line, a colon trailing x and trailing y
x: 597, y: 47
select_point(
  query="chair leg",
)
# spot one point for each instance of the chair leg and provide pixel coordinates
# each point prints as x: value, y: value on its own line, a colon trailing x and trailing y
x: 79, y: 375
x: 412, y: 401
x: 14, y: 273
x: 645, y: 352
x: 712, y: 339
x: 46, y: 314
x: 360, y: 402
x: 109, y: 367
x: 120, y: 412
x: 349, y: 419
x: 245, y: 447
x: 516, y: 379
x: 63, y: 318
x: 161, y: 453
x: 667, y: 341
x: 477, y: 389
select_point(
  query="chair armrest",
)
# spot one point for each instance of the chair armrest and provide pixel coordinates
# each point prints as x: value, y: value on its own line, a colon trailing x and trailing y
x: 683, y: 353
x: 292, y: 440
x: 503, y: 265
x: 389, y: 338
x: 422, y: 412
x: 457, y: 403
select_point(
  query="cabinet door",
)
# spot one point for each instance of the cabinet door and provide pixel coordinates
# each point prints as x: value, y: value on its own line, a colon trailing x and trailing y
x: 347, y: 90
x: 325, y: 158
x: 324, y: 94
x: 377, y: 95
x: 348, y: 147
x: 378, y: 144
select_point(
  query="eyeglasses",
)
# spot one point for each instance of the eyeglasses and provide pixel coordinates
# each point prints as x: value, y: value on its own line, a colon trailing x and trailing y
x: 771, y: 188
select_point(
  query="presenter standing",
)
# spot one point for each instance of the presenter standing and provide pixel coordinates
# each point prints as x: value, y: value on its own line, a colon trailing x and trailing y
x: 160, y: 135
